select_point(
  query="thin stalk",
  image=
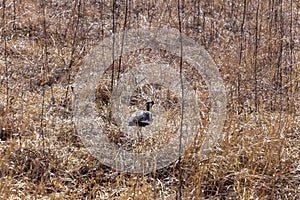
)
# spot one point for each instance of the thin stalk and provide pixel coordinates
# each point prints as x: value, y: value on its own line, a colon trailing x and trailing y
x: 5, y: 52
x: 241, y: 52
x: 14, y: 16
x: 291, y: 45
x: 279, y: 65
x: 123, y: 39
x: 113, y: 56
x: 44, y: 68
x: 74, y: 41
x: 242, y: 31
x: 113, y: 46
x: 255, y: 55
x: 180, y: 10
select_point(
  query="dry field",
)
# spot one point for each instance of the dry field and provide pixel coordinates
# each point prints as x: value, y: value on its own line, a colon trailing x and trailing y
x: 256, y: 46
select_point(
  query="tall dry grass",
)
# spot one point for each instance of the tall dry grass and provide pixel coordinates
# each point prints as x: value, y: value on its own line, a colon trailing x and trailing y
x: 255, y: 44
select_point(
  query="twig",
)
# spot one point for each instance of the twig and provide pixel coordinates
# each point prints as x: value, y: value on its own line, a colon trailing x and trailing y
x: 180, y: 9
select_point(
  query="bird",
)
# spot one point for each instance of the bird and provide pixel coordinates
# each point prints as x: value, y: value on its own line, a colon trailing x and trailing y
x: 142, y: 118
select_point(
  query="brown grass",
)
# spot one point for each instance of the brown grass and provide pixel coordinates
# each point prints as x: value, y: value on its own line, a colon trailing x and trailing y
x: 256, y: 49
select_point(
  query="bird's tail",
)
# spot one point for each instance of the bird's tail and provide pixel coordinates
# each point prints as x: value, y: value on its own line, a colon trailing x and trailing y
x: 131, y: 123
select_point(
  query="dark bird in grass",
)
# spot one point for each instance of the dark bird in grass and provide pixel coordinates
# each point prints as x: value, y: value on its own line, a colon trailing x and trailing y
x: 142, y: 118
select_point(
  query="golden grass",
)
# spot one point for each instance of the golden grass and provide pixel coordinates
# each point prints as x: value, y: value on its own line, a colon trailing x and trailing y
x: 41, y: 155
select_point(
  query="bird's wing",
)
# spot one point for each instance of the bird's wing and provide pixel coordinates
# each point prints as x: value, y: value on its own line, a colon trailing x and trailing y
x: 135, y: 117
x: 147, y: 117
x: 138, y: 115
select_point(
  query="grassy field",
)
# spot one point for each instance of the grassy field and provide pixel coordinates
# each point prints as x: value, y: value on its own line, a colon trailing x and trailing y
x: 255, y: 45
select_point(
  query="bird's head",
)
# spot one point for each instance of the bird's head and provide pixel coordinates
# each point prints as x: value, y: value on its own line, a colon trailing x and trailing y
x: 149, y: 104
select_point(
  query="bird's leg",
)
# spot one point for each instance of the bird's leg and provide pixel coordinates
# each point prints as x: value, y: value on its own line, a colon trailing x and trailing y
x: 138, y: 132
x: 140, y: 135
x: 137, y: 125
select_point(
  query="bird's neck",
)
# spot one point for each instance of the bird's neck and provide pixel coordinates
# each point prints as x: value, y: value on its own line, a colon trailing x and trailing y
x: 148, y: 107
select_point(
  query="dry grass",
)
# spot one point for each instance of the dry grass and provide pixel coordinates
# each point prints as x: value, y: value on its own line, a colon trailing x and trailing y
x: 257, y: 51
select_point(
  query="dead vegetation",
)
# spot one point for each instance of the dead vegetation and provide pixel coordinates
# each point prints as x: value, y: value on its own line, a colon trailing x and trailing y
x: 256, y: 47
